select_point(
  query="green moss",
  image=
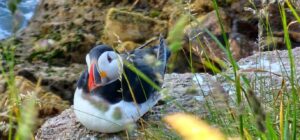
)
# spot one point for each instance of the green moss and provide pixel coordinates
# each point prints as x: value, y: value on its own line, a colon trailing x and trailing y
x: 191, y: 90
x: 131, y: 17
x: 55, y: 36
x: 154, y: 13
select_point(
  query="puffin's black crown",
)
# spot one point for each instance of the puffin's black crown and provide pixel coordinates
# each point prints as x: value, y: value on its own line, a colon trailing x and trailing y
x: 98, y: 50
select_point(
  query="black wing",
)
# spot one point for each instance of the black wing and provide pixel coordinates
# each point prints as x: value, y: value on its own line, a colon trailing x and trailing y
x: 140, y: 88
x: 83, y: 80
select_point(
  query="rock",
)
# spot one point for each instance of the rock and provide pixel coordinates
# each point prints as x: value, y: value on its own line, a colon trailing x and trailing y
x: 137, y: 27
x: 174, y: 9
x: 74, y: 26
x: 278, y: 38
x: 59, y: 80
x: 47, y: 103
x: 271, y: 12
x: 66, y: 38
x: 199, y: 43
x: 241, y: 46
x: 191, y: 93
x: 204, y: 48
x: 171, y: 13
x: 126, y: 46
x: 267, y: 72
x: 3, y: 86
x: 202, y: 6
x: 65, y: 126
x: 270, y: 62
x: 209, y: 21
x: 294, y: 31
x: 62, y: 32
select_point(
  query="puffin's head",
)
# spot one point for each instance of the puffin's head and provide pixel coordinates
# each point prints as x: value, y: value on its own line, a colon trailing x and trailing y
x: 104, y: 66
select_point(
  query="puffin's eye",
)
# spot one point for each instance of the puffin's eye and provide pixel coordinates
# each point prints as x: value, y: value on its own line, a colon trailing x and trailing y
x: 109, y: 58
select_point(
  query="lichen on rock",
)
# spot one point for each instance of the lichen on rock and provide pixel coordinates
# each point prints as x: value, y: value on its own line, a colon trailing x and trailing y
x: 131, y: 26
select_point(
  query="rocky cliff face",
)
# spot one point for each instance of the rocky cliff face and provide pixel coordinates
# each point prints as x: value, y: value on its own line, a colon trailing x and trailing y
x: 54, y: 45
x: 189, y: 93
x: 64, y: 31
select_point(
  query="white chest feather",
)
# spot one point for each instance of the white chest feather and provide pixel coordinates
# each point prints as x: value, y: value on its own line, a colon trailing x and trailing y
x: 108, y: 118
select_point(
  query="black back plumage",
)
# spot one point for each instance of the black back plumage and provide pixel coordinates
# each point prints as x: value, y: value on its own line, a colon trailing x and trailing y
x: 119, y: 90
x: 82, y: 82
x: 141, y: 89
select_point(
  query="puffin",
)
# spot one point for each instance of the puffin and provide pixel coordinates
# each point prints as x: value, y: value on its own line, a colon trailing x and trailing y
x: 110, y: 96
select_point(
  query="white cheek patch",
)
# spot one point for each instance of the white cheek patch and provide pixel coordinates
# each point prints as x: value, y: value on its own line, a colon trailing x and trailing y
x: 117, y: 69
x: 113, y: 69
x: 88, y: 61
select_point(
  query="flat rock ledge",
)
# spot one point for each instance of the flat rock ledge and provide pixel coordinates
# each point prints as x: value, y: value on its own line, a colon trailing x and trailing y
x: 190, y: 93
x: 181, y: 92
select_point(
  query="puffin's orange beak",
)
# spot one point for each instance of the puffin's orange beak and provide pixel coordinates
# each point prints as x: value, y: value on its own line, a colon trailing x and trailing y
x: 95, y: 77
x: 91, y: 80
